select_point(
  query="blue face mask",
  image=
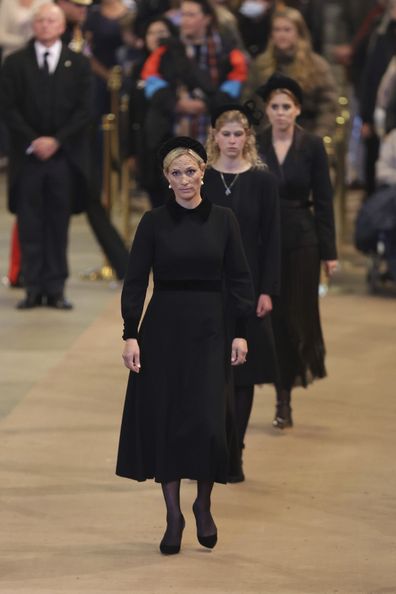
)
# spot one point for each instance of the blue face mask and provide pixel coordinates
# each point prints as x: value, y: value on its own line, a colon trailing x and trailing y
x: 252, y: 9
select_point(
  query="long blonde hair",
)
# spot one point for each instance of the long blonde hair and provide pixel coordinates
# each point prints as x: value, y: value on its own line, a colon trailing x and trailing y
x: 249, y: 153
x: 302, y: 66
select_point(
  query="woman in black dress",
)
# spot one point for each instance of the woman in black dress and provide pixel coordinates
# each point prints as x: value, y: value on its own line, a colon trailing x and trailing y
x: 298, y: 160
x: 174, y: 422
x: 237, y: 179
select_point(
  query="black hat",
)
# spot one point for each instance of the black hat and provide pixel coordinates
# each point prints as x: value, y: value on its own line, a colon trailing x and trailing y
x: 280, y: 81
x: 248, y: 109
x: 182, y: 142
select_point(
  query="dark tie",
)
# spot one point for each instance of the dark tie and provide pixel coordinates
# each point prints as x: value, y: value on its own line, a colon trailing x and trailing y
x: 45, y: 64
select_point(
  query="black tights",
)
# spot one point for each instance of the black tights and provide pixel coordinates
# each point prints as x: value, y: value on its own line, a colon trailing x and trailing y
x: 174, y: 516
x: 283, y: 397
x: 243, y: 408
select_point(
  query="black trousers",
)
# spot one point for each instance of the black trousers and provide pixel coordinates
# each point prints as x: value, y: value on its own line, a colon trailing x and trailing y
x: 44, y: 208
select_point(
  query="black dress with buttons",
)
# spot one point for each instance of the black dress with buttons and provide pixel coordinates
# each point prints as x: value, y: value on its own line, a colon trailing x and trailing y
x: 175, y: 416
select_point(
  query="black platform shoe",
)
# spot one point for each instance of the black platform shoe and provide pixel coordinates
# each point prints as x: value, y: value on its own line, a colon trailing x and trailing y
x: 209, y: 541
x: 172, y: 549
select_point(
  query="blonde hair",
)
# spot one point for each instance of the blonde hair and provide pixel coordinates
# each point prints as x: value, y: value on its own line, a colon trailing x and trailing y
x: 179, y: 152
x: 302, y: 66
x: 249, y: 153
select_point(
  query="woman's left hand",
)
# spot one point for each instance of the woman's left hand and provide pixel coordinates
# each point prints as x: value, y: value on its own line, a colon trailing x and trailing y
x: 264, y: 305
x: 239, y: 351
x: 330, y: 266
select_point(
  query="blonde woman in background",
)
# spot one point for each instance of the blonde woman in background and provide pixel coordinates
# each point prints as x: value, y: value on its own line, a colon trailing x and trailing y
x: 290, y: 52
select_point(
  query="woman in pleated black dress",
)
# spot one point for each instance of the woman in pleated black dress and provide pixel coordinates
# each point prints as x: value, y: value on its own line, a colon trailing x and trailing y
x: 299, y: 161
x: 237, y: 179
x: 174, y: 424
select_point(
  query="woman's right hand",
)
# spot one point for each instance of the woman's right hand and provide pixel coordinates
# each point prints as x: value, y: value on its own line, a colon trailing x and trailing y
x: 131, y: 355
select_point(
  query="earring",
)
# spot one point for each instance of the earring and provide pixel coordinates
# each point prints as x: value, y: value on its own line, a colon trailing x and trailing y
x: 202, y: 182
x: 169, y: 186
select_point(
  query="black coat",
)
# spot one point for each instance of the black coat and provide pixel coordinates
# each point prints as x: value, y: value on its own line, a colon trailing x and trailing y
x: 175, y: 417
x: 23, y: 109
x: 304, y: 182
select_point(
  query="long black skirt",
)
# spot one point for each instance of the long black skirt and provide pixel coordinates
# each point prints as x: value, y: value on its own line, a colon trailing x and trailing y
x: 296, y: 320
x: 261, y: 365
x: 176, y: 413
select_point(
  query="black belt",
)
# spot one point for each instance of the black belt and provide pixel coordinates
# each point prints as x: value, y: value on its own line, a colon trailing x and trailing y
x: 296, y: 203
x: 213, y: 286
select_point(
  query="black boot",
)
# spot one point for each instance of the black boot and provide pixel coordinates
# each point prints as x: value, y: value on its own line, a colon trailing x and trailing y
x: 283, y: 413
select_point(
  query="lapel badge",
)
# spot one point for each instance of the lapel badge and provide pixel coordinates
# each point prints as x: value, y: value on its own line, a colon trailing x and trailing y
x: 68, y: 64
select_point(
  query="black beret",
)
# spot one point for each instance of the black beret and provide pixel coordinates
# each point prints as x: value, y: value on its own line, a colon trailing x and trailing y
x: 280, y: 81
x: 245, y: 109
x: 181, y: 142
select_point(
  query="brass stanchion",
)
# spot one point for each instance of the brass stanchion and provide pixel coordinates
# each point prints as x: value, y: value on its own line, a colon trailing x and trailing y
x: 341, y: 143
x: 125, y: 174
x: 336, y: 149
x: 105, y: 272
x: 114, y: 85
x: 112, y: 171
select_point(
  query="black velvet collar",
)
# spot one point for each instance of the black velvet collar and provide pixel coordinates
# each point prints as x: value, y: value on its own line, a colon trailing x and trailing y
x: 177, y: 212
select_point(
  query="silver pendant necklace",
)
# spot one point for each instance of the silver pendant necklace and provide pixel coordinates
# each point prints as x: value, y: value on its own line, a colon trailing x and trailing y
x: 228, y: 188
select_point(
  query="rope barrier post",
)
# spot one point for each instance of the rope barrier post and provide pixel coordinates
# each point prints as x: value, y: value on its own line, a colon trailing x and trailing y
x: 105, y: 272
x: 114, y: 85
x: 125, y: 172
x: 341, y: 149
x: 108, y: 124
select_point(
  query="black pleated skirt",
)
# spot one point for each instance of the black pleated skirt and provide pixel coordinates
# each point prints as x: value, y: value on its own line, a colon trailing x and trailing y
x: 176, y: 421
x: 296, y: 320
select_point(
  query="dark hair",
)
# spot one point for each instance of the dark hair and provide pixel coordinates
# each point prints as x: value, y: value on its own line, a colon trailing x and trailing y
x: 208, y: 8
x: 161, y: 19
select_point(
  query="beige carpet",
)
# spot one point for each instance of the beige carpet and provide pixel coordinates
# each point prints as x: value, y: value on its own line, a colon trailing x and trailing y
x: 317, y: 513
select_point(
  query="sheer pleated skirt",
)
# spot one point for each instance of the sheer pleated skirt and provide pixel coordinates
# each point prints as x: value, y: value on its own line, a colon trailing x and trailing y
x: 296, y: 319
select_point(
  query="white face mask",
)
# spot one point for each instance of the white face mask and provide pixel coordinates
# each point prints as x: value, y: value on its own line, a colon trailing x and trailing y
x: 252, y: 9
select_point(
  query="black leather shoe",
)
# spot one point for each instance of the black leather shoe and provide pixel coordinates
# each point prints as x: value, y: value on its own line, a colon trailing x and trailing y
x: 31, y: 300
x: 172, y: 549
x: 58, y: 302
x: 206, y: 541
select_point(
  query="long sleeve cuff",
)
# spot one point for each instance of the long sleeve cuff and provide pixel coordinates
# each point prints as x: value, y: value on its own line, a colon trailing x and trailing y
x: 241, y: 328
x: 272, y: 291
x: 130, y: 328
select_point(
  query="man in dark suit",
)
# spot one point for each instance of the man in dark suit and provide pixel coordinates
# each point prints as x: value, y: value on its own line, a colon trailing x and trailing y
x: 46, y: 99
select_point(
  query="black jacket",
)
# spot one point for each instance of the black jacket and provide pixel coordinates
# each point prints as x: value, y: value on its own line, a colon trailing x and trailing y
x: 22, y: 106
x: 305, y: 192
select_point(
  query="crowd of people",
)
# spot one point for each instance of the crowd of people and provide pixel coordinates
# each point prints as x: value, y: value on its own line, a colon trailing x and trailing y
x: 229, y: 102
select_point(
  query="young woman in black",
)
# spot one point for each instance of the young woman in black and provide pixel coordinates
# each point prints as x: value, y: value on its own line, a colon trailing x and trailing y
x: 236, y: 178
x: 299, y: 162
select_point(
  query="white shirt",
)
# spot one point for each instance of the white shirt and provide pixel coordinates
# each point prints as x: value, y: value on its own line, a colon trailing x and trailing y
x: 54, y: 53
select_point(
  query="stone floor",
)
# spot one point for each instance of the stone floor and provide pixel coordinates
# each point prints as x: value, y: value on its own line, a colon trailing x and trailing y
x: 316, y: 515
